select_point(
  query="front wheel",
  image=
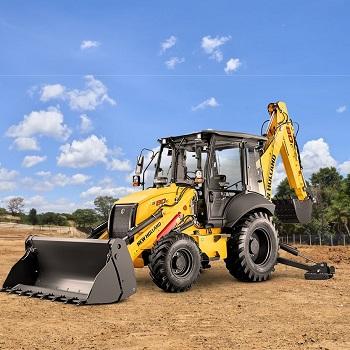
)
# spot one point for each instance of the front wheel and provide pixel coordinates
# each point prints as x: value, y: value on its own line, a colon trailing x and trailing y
x: 252, y: 250
x: 175, y: 262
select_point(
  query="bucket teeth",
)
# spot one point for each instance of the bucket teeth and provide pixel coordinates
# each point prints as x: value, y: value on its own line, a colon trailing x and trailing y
x: 12, y: 291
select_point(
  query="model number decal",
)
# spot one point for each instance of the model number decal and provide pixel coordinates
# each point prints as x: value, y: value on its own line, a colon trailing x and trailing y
x: 159, y: 202
x: 141, y: 240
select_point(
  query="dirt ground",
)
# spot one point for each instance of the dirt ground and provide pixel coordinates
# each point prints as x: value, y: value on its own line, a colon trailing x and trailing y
x: 219, y: 312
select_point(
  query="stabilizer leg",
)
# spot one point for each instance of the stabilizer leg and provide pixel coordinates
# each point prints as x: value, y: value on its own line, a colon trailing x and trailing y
x: 317, y: 271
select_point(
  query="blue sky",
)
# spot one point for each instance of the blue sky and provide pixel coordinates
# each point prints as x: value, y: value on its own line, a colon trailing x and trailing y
x: 85, y: 85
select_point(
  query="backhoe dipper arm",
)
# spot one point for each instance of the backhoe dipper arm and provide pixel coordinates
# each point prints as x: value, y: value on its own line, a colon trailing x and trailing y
x: 281, y: 140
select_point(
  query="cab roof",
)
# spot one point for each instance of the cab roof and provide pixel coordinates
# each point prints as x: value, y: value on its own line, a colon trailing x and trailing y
x: 229, y: 134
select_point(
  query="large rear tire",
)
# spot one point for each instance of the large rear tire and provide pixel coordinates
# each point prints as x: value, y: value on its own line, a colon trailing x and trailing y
x: 175, y: 263
x: 252, y: 250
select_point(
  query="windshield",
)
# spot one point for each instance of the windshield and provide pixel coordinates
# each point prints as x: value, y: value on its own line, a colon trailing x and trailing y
x: 165, y: 164
x: 179, y: 161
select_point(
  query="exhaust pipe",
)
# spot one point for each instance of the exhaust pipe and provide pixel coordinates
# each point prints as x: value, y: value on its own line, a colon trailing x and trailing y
x: 79, y: 271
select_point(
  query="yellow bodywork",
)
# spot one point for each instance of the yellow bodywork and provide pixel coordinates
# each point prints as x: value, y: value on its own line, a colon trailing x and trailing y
x: 149, y: 201
x: 176, y: 202
x: 281, y: 141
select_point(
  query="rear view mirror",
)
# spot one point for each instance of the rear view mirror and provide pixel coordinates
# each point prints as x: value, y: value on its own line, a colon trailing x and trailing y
x: 139, y: 165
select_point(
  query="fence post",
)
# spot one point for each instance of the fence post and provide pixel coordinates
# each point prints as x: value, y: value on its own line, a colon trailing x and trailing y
x: 300, y: 239
x: 294, y: 238
x: 331, y: 240
x: 320, y: 239
x: 288, y: 240
x: 310, y: 238
x: 344, y: 239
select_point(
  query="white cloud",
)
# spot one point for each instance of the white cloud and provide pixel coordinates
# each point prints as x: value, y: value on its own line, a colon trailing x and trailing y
x: 314, y: 156
x: 45, y: 123
x: 49, y: 181
x: 341, y: 109
x: 6, y: 175
x: 78, y: 179
x: 173, y: 61
x: 210, y: 102
x: 7, y: 178
x: 43, y: 173
x: 94, y: 94
x: 211, y: 46
x: 84, y: 153
x: 7, y: 186
x: 85, y: 124
x: 26, y: 144
x: 88, y: 44
x: 116, y: 192
x: 120, y: 165
x: 30, y: 161
x: 168, y: 43
x: 345, y: 167
x: 41, y: 204
x: 32, y: 90
x: 49, y: 92
x: 232, y: 65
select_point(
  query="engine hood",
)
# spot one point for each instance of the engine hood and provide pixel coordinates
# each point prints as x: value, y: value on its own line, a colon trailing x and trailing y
x: 148, y: 201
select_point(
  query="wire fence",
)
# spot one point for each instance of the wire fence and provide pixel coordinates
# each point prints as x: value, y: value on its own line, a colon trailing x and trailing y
x: 329, y: 239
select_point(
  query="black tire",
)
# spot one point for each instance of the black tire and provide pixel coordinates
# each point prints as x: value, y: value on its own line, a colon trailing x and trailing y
x: 252, y: 250
x: 175, y: 263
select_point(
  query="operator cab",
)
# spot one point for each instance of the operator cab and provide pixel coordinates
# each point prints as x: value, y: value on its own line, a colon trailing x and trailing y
x: 219, y: 165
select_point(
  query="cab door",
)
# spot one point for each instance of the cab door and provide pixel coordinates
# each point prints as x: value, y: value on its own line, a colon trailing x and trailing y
x: 225, y: 177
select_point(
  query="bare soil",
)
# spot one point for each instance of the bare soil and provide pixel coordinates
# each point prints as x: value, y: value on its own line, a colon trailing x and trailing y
x: 286, y: 312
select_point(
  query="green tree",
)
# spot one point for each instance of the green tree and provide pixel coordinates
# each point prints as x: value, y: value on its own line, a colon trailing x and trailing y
x: 284, y: 190
x: 85, y: 217
x: 51, y: 218
x: 32, y: 216
x: 103, y: 205
x: 3, y: 211
x: 331, y: 213
x: 326, y: 177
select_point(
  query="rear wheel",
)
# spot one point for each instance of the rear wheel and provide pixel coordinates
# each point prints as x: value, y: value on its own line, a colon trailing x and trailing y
x: 175, y: 262
x: 252, y: 250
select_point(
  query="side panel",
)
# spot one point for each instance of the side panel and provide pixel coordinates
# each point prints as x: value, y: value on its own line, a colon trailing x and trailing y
x: 244, y: 203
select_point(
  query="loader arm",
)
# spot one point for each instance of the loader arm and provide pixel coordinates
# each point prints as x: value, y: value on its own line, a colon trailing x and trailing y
x: 281, y: 140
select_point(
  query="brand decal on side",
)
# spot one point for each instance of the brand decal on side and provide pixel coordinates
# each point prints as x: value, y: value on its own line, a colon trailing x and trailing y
x: 140, y: 241
x: 269, y: 182
x: 290, y: 136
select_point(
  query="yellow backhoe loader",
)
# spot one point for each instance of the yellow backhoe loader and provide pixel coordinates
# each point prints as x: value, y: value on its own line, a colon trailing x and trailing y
x: 210, y: 199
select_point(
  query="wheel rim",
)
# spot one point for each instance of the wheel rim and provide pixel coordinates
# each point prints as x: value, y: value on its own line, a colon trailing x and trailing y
x: 181, y: 262
x: 260, y: 246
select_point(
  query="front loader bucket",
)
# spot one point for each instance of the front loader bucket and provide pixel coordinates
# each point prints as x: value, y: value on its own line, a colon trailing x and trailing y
x: 80, y: 271
x: 292, y: 211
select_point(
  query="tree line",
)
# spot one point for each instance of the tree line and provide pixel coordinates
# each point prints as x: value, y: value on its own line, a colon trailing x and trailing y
x: 331, y: 210
x: 82, y: 218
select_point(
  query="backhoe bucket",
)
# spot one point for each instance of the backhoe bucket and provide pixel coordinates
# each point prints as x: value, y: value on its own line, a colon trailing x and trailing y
x: 293, y: 211
x: 80, y: 271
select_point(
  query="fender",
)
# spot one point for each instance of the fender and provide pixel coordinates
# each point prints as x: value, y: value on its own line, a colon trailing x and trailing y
x: 243, y: 204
